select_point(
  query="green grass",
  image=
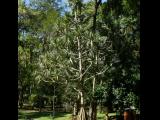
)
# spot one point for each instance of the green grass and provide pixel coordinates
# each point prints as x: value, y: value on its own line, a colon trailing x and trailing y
x: 100, y: 116
x: 22, y: 114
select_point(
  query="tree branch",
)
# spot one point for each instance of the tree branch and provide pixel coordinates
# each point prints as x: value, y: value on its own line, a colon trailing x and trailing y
x: 99, y: 72
x: 84, y: 72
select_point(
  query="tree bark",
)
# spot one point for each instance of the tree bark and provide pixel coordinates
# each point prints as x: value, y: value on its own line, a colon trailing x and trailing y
x: 93, y: 104
x: 97, y: 3
x: 93, y: 110
x: 81, y: 113
x: 74, y: 111
x: 94, y: 107
x: 53, y: 103
x: 21, y: 99
x: 90, y: 112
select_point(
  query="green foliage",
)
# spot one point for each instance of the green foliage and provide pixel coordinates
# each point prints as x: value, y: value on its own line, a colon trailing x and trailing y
x: 31, y: 99
x: 99, y: 92
x: 132, y: 100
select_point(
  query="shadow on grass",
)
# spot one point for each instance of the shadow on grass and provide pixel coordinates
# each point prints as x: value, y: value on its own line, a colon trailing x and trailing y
x: 34, y: 115
x: 100, y: 118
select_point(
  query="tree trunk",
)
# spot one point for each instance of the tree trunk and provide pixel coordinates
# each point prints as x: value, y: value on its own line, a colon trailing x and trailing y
x: 93, y: 110
x: 101, y: 106
x: 81, y: 113
x: 90, y: 112
x: 94, y: 18
x: 94, y: 102
x: 40, y: 109
x: 74, y: 109
x: 93, y: 105
x: 77, y: 104
x: 97, y: 3
x: 74, y: 112
x: 53, y: 103
x: 21, y: 99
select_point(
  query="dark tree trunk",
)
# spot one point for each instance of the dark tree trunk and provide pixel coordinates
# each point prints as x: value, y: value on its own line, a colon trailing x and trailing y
x: 93, y: 110
x: 97, y: 3
x: 21, y: 99
x: 94, y: 107
x: 101, y: 106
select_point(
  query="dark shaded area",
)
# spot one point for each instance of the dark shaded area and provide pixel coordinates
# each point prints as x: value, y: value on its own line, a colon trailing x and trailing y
x: 100, y: 117
x: 33, y: 114
x: 39, y: 114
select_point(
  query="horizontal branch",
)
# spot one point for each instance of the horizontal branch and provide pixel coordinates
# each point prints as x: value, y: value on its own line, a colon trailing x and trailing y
x: 74, y: 69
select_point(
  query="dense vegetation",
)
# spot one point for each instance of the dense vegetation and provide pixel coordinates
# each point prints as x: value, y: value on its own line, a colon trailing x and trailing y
x: 82, y: 59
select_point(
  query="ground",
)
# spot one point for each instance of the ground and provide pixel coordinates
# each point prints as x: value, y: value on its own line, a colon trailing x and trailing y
x: 35, y: 115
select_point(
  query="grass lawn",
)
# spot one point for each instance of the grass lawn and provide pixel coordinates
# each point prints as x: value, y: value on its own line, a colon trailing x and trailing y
x: 22, y: 114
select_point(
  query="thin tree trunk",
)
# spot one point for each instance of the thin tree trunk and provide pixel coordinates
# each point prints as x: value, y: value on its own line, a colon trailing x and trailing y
x: 93, y: 104
x: 101, y: 100
x: 53, y: 103
x: 74, y: 109
x: 94, y: 18
x: 94, y: 107
x: 81, y: 113
x: 93, y: 110
x: 77, y: 104
x: 90, y: 112
x: 97, y: 3
x: 21, y: 99
x: 101, y: 106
